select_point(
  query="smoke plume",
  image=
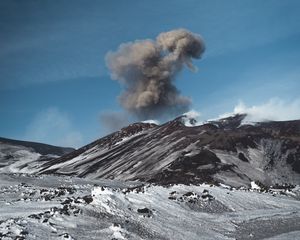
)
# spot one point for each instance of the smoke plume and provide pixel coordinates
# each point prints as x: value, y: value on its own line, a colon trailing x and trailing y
x: 147, y: 70
x: 113, y: 121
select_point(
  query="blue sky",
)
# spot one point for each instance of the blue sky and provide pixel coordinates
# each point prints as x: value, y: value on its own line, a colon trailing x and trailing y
x: 54, y: 83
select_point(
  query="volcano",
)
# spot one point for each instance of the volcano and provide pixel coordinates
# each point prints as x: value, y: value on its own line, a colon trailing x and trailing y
x: 179, y: 180
x: 229, y: 150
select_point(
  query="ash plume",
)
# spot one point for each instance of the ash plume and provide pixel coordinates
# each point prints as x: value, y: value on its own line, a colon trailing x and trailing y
x: 147, y: 70
x: 114, y: 121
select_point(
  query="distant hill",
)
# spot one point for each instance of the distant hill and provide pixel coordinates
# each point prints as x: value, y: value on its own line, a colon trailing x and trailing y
x: 41, y: 148
x: 23, y: 156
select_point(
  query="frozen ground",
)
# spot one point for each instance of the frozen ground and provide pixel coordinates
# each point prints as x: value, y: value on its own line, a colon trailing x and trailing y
x: 50, y: 207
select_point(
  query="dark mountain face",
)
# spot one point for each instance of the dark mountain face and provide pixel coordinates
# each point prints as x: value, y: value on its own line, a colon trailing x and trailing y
x: 23, y: 156
x: 224, y: 150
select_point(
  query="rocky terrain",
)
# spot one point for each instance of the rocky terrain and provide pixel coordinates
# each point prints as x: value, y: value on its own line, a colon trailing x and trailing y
x: 52, y: 207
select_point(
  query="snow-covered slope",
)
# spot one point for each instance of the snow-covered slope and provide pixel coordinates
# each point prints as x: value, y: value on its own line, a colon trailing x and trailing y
x: 225, y: 150
x: 22, y: 156
x: 51, y: 207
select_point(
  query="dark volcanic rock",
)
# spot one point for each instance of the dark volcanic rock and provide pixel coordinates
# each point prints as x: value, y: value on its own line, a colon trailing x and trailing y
x: 88, y: 199
x: 145, y: 212
x: 242, y: 157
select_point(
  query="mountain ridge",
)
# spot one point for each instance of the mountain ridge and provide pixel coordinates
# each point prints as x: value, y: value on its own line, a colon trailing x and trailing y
x: 26, y: 156
x: 42, y: 148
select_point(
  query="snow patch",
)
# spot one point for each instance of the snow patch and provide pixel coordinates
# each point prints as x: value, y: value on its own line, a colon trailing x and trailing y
x: 117, y: 231
x: 254, y: 186
x: 151, y: 121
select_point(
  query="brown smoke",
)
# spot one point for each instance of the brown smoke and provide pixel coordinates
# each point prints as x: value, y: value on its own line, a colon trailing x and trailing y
x: 147, y: 70
x: 113, y: 121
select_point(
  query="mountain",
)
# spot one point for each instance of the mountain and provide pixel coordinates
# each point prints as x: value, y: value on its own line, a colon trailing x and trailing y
x: 78, y: 200
x: 228, y: 150
x: 23, y: 156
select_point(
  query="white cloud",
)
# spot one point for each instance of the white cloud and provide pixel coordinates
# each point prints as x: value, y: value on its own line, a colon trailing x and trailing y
x: 275, y: 109
x: 192, y: 118
x: 53, y: 126
x: 192, y: 114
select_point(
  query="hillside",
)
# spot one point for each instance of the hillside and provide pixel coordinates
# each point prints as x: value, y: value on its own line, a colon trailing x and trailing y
x: 24, y: 156
x: 228, y: 150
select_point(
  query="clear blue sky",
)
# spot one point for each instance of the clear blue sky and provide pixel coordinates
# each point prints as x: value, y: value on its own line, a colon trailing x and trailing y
x: 54, y: 83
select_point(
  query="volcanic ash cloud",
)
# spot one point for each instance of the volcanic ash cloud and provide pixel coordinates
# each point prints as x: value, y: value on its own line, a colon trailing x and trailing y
x: 147, y: 70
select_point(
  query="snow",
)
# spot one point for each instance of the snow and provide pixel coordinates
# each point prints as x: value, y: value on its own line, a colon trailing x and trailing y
x: 117, y: 231
x: 151, y: 121
x: 133, y: 210
x: 254, y: 186
x: 124, y: 139
x: 246, y: 122
x: 14, y: 157
x: 286, y: 236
